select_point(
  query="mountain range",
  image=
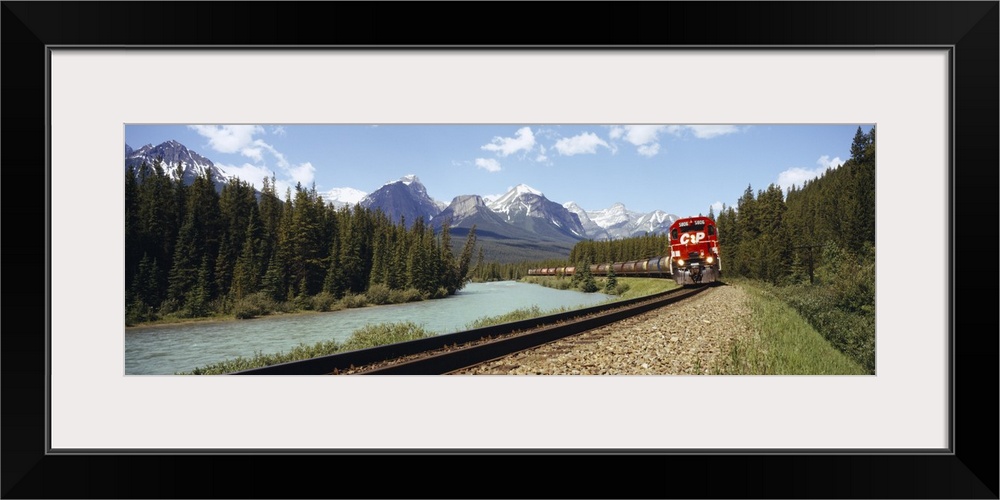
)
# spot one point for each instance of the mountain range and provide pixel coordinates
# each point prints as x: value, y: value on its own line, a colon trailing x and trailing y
x: 173, y: 153
x: 521, y: 223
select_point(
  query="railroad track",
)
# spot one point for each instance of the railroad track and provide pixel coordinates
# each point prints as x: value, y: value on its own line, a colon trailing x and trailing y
x: 447, y: 353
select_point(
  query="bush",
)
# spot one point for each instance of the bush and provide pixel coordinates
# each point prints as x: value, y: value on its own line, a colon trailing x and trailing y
x: 848, y: 325
x: 621, y: 289
x: 253, y: 305
x: 352, y: 301
x: 323, y: 302
x: 378, y: 294
x: 303, y: 301
x: 383, y: 334
x: 403, y: 296
x: 515, y: 315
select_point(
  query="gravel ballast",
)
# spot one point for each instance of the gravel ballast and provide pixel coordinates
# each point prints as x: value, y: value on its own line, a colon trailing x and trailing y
x: 690, y: 337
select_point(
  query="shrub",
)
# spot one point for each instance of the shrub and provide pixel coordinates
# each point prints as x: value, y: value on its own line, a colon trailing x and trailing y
x: 352, y: 301
x: 323, y: 302
x: 515, y: 315
x: 378, y: 294
x: 253, y: 305
x: 403, y: 296
x: 383, y: 334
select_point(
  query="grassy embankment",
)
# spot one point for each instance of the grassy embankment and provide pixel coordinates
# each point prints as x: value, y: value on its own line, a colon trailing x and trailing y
x: 627, y: 288
x: 363, y: 338
x: 784, y: 342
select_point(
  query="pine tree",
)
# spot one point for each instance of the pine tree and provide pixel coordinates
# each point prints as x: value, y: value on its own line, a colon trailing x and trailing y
x: 465, y: 258
x: 612, y: 282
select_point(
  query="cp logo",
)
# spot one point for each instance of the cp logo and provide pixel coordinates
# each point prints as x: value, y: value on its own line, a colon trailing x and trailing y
x: 692, y: 238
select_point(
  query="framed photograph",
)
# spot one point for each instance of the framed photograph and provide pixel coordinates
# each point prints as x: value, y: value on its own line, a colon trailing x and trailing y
x: 929, y: 84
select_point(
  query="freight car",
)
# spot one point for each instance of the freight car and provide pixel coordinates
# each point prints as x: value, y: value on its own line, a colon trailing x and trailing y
x: 694, y: 257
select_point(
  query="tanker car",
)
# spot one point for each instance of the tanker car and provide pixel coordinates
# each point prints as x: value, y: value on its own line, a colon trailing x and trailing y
x: 694, y: 257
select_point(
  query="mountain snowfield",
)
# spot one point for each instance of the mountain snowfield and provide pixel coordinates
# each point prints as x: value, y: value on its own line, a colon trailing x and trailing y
x: 521, y: 212
x: 174, y: 153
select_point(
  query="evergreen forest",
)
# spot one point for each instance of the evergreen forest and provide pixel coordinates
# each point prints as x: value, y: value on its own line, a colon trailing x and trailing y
x: 192, y: 251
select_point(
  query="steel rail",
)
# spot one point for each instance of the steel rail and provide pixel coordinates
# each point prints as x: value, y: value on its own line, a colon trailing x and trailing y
x: 567, y: 321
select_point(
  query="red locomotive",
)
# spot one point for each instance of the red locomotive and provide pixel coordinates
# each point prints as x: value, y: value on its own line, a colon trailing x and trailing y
x: 693, y: 259
x: 694, y: 251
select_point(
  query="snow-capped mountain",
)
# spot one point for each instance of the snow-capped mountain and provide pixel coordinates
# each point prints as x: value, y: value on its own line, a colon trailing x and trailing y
x: 405, y: 197
x: 593, y: 230
x: 655, y: 222
x: 619, y: 222
x: 529, y: 209
x: 344, y: 196
x: 616, y: 220
x: 174, y: 153
x: 466, y: 211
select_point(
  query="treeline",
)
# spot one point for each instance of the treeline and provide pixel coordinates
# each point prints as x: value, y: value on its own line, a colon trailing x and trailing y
x: 508, y: 271
x: 191, y: 251
x: 623, y: 250
x: 816, y: 246
x: 583, y: 253
x: 782, y: 239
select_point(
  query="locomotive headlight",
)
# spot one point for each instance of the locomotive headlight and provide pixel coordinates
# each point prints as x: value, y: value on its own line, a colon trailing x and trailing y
x: 680, y: 262
x: 709, y: 259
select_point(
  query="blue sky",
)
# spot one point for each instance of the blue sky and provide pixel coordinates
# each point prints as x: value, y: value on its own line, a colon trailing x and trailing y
x: 681, y: 169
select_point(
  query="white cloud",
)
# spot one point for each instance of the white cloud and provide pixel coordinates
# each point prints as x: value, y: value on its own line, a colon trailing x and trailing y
x: 542, y: 157
x: 240, y: 139
x: 644, y: 137
x: 710, y: 131
x: 254, y: 174
x: 505, y: 146
x: 488, y: 164
x: 798, y: 176
x: 702, y: 131
x: 585, y: 143
x: 717, y: 208
x: 826, y: 162
x: 229, y: 138
x: 649, y: 150
x: 639, y: 135
x: 280, y: 158
x: 304, y: 173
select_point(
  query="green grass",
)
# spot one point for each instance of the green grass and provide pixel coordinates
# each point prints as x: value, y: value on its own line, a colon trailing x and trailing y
x: 632, y: 288
x: 368, y: 336
x: 782, y: 343
x: 641, y: 287
x: 515, y: 315
x: 628, y: 288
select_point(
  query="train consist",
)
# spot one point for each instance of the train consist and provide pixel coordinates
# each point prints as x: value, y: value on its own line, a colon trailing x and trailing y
x: 694, y: 257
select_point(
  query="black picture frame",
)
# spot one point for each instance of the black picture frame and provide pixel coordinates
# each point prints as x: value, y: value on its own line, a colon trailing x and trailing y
x: 970, y: 28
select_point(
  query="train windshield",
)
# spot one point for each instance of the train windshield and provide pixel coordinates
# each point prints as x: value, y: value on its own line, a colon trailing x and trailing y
x: 688, y: 226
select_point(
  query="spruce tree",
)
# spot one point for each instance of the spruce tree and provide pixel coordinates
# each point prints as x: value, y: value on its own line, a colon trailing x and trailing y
x: 612, y: 282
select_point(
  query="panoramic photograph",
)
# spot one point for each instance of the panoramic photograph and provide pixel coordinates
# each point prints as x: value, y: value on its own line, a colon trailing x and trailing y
x: 499, y: 249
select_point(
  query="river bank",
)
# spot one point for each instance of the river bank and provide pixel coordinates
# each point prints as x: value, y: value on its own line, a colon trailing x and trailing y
x: 173, y: 348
